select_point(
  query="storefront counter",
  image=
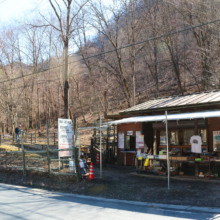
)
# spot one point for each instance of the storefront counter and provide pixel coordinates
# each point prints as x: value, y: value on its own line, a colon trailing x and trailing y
x: 125, y: 155
x: 140, y: 161
x: 182, y: 150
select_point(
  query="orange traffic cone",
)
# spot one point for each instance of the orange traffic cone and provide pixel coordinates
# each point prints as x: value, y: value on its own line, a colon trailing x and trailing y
x: 91, y: 174
x: 97, y: 159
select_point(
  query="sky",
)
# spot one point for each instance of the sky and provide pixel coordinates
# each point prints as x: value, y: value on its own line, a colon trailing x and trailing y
x: 13, y: 10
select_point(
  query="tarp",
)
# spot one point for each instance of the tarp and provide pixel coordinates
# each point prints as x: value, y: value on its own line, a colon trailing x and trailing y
x: 171, y: 117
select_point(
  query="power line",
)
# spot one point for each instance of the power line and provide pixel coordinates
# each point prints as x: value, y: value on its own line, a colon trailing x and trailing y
x: 120, y: 48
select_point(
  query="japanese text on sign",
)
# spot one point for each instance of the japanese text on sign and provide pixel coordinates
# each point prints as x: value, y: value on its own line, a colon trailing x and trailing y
x: 65, y: 137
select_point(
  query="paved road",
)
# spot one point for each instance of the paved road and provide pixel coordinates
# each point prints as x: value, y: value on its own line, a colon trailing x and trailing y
x: 25, y: 203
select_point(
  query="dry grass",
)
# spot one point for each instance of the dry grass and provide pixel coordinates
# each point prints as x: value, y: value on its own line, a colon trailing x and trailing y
x: 5, y: 147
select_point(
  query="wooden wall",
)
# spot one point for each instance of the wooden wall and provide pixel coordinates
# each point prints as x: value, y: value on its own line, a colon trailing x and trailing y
x: 124, y: 128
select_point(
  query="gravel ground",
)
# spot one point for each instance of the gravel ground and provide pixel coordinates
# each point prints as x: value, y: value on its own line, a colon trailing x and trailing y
x: 118, y: 183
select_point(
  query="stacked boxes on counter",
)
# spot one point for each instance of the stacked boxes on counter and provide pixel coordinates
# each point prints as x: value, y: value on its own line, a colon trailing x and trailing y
x: 178, y: 158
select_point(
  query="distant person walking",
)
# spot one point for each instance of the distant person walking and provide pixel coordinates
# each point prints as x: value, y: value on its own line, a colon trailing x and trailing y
x: 17, y: 133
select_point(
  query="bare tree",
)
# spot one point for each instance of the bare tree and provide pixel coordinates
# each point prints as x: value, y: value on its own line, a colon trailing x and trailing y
x: 197, y: 12
x: 66, y: 28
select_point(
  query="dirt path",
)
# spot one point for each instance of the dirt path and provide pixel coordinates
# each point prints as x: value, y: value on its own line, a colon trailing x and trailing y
x: 118, y: 183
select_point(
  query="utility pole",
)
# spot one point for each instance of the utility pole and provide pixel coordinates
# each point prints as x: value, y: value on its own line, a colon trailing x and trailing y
x: 46, y: 103
x: 58, y: 101
x: 100, y: 120
x: 66, y: 78
x: 38, y: 111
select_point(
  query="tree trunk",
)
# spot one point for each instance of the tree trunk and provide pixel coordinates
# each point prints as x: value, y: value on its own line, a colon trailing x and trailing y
x: 66, y: 82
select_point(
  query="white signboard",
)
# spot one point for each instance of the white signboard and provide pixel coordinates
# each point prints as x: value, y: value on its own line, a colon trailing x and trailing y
x: 139, y: 140
x: 65, y: 137
x: 121, y: 140
x: 129, y: 132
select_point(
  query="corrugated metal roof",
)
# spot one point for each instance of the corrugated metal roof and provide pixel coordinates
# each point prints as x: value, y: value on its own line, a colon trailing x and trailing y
x: 177, y: 101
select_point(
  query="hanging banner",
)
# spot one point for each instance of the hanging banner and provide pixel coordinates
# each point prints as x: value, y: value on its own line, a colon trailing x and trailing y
x: 65, y: 137
x: 216, y: 140
x: 121, y: 140
x: 139, y: 140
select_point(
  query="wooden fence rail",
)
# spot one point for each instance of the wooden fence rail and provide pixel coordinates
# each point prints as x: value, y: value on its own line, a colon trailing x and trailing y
x: 14, y: 159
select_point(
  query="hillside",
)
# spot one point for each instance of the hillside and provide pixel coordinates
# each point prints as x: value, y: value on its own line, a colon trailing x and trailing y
x: 120, y: 54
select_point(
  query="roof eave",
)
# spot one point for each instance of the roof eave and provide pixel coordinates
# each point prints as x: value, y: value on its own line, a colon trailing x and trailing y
x: 168, y: 108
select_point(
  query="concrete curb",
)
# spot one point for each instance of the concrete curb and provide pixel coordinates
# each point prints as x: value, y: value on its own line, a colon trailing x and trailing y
x: 147, y: 204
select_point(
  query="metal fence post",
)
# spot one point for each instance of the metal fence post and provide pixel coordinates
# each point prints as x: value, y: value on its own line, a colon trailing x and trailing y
x: 91, y: 151
x: 100, y: 146
x: 6, y: 159
x: 107, y: 147
x: 76, y: 158
x: 48, y: 159
x: 35, y: 137
x: 48, y: 150
x: 114, y: 142
x: 23, y: 157
x: 76, y: 150
x: 54, y: 138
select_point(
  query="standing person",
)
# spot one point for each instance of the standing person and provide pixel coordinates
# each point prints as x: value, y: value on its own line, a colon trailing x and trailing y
x: 17, y: 133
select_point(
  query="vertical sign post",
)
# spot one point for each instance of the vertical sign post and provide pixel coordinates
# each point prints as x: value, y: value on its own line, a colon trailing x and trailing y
x: 168, y: 162
x: 100, y: 146
x: 79, y: 143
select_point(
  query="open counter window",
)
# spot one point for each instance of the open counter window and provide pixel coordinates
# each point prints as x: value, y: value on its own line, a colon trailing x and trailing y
x: 130, y: 142
x: 186, y: 134
x: 173, y: 138
x: 203, y: 134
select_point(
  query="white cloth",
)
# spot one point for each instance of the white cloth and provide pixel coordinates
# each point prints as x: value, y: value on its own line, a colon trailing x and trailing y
x: 196, y: 144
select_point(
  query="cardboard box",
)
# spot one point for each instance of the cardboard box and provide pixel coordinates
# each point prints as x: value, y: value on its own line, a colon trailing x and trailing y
x: 162, y: 157
x: 172, y: 158
x: 184, y: 158
x: 181, y: 173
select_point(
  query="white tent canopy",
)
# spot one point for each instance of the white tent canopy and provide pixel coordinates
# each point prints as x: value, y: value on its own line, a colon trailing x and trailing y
x: 171, y: 117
